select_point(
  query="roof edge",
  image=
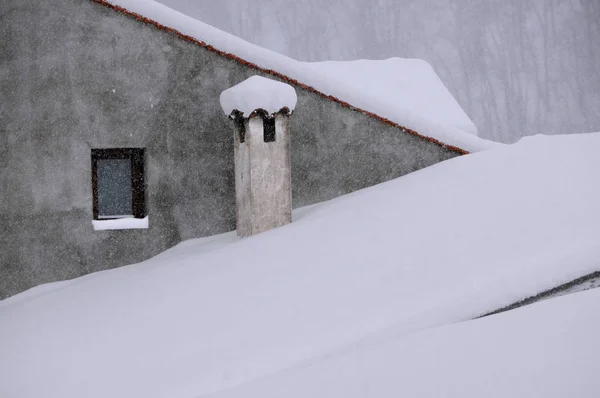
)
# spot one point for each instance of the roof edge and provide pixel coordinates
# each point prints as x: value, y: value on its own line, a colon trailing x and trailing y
x: 272, y: 72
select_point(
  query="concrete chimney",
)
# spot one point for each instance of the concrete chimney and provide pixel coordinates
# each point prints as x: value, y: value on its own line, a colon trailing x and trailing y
x: 260, y: 109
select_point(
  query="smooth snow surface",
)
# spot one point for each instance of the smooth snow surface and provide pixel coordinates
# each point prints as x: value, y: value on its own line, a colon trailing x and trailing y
x: 438, y: 246
x: 409, y: 84
x: 258, y: 92
x: 405, y: 91
x: 546, y: 350
x: 121, y: 223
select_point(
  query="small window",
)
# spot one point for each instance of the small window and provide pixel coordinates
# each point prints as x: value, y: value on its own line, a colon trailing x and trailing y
x: 269, y: 129
x: 118, y: 183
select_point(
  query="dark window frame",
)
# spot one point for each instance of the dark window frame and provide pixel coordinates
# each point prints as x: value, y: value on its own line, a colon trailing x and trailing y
x: 138, y: 180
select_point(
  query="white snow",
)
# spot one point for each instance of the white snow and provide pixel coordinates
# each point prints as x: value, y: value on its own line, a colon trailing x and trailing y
x: 438, y: 246
x: 409, y: 84
x: 121, y: 223
x: 258, y: 92
x: 548, y: 350
x: 405, y: 91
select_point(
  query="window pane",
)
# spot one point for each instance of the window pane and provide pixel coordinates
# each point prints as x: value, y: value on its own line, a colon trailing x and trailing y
x: 114, y: 187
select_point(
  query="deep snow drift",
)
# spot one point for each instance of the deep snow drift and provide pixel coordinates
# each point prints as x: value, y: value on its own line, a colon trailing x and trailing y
x: 406, y: 91
x: 441, y: 245
x: 546, y: 350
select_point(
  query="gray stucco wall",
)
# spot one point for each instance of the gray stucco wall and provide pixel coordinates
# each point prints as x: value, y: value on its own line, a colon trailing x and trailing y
x: 75, y: 75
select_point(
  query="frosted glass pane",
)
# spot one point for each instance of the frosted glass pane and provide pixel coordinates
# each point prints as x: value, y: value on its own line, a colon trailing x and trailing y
x: 114, y: 187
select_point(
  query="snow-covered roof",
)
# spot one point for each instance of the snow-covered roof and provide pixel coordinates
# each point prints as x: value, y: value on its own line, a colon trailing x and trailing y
x: 400, y: 92
x: 409, y: 84
x: 546, y: 350
x: 257, y: 93
x: 435, y: 247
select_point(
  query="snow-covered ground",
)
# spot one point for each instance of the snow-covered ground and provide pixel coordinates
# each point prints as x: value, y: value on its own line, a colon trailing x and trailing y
x: 373, y: 268
x: 406, y: 91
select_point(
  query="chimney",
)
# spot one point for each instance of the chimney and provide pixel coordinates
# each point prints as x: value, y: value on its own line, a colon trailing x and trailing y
x: 260, y: 109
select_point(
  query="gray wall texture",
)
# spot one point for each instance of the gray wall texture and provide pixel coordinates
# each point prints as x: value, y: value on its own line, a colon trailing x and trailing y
x: 75, y: 75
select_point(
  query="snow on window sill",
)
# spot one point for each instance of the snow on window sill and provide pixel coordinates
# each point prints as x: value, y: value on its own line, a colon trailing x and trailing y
x: 121, y: 223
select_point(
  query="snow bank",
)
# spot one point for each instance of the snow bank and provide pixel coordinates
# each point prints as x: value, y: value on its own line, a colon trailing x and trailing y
x: 441, y: 245
x: 258, y: 92
x: 546, y: 350
x: 405, y: 91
